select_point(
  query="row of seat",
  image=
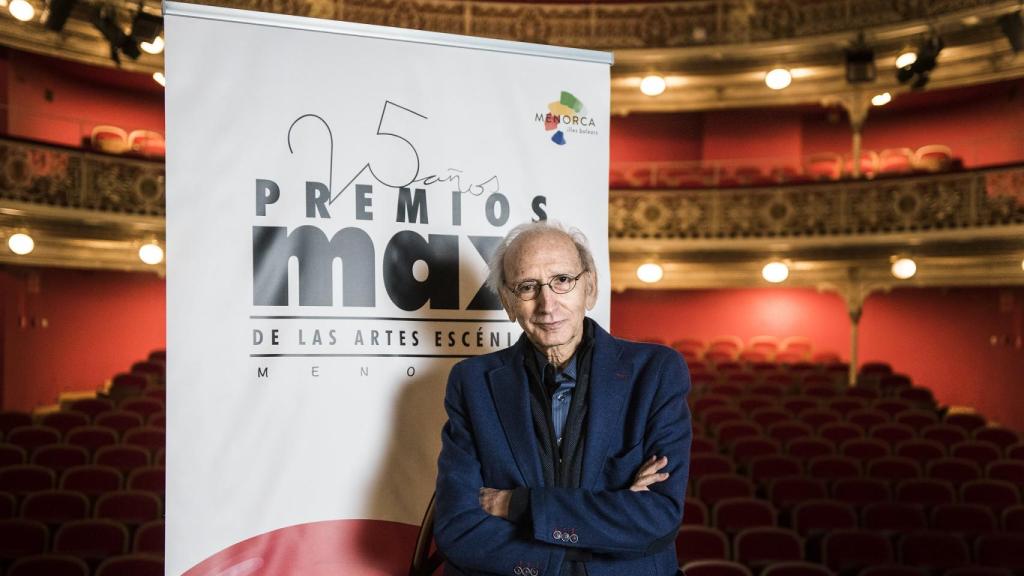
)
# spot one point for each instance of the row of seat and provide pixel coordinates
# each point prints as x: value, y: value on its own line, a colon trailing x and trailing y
x: 850, y: 550
x: 91, y: 540
x: 820, y: 515
x: 66, y: 565
x: 132, y: 507
x: 90, y: 479
x: 729, y: 568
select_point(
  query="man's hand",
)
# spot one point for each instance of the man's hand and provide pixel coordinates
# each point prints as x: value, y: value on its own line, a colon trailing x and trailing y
x: 648, y: 474
x: 495, y: 502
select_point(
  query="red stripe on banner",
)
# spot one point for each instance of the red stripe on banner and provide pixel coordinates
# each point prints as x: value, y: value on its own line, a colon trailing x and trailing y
x: 364, y: 547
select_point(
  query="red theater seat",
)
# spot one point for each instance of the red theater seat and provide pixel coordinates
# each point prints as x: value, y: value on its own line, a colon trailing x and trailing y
x: 818, y: 517
x: 996, y: 494
x: 751, y: 404
x: 702, y: 465
x: 130, y: 507
x: 49, y: 565
x: 1013, y: 519
x: 728, y: 433
x: 1001, y: 437
x: 11, y: 455
x: 55, y: 506
x: 26, y: 478
x: 934, y: 551
x: 144, y: 407
x: 123, y: 458
x: 894, y: 517
x: 945, y: 434
x: 32, y: 437
x: 785, y: 493
x: 1016, y: 451
x: 818, y: 417
x: 148, y: 479
x: 92, y: 438
x: 63, y: 422
x: 840, y: 432
x: 917, y: 419
x: 120, y: 421
x: 151, y: 439
x: 758, y: 547
x: 846, y: 404
x: 701, y: 543
x: 91, y: 480
x: 968, y: 421
x: 833, y: 467
x: 765, y: 469
x: 745, y: 450
x: 732, y: 515
x: 925, y: 492
x: 149, y: 538
x: 8, y: 505
x: 924, y: 451
x: 711, y: 417
x: 864, y: 449
x: 1000, y: 550
x: 796, y: 569
x: 867, y: 418
x: 715, y: 568
x: 132, y: 565
x: 892, y: 433
x: 128, y: 385
x: 978, y: 571
x: 893, y: 469
x: 860, y: 491
x: 20, y: 538
x: 92, y: 407
x: 701, y: 445
x: 806, y: 449
x: 695, y: 513
x: 788, y: 431
x: 969, y: 520
x: 848, y: 551
x: 892, y: 570
x: 797, y: 405
x: 1007, y: 470
x: 953, y: 470
x: 918, y: 396
x: 766, y: 417
x: 60, y: 457
x: 980, y: 452
x: 716, y: 487
x: 91, y: 540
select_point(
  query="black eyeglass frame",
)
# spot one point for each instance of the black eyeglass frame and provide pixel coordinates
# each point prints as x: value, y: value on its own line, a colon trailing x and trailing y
x: 540, y: 286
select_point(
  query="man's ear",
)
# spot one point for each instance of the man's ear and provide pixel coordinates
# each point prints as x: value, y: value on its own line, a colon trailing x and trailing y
x: 591, y: 286
x: 509, y: 310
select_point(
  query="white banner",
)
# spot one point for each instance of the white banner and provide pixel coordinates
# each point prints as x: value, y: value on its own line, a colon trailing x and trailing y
x: 333, y: 191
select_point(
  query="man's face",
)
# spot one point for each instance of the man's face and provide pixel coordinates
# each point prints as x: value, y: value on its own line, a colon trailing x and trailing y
x: 550, y: 319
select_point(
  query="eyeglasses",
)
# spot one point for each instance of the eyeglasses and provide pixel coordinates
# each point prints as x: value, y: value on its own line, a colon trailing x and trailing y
x: 560, y: 284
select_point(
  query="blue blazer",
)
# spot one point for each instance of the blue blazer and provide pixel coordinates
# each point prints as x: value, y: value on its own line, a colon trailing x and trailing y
x: 637, y: 408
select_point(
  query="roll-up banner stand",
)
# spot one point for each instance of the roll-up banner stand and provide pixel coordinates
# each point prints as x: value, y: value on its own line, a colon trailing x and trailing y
x: 333, y: 193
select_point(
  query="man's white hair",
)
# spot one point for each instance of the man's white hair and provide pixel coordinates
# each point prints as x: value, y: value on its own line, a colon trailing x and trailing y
x: 496, y: 275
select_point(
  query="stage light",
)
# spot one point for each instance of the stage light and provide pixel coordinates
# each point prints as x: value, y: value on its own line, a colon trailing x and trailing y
x: 918, y: 72
x: 154, y: 47
x: 146, y: 27
x: 151, y: 253
x: 906, y: 58
x: 650, y: 272
x: 904, y: 268
x: 778, y: 79
x: 160, y: 78
x: 775, y: 272
x: 21, y: 243
x: 881, y: 99
x: 1012, y: 26
x: 1022, y: 264
x: 860, y: 62
x: 652, y: 85
x: 21, y: 10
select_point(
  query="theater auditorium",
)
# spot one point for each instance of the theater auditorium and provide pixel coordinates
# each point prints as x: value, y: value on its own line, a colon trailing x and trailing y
x: 819, y: 204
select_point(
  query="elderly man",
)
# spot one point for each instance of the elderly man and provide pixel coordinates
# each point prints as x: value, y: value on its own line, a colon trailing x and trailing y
x: 567, y: 453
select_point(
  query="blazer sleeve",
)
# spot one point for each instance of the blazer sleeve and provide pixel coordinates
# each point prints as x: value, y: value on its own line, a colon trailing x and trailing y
x: 468, y: 536
x: 622, y: 522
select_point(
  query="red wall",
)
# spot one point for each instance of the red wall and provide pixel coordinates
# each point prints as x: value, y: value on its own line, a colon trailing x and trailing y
x: 656, y: 137
x: 940, y: 337
x: 736, y: 134
x: 59, y: 102
x: 67, y: 330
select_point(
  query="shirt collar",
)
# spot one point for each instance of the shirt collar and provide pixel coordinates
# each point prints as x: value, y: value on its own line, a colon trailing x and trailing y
x: 567, y: 373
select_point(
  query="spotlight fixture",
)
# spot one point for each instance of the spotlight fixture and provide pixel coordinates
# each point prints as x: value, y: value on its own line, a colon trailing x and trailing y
x: 778, y: 79
x: 21, y: 243
x: 919, y: 71
x: 881, y: 99
x: 860, y: 62
x: 904, y: 268
x: 160, y: 79
x: 56, y: 14
x: 151, y: 253
x: 22, y: 10
x: 775, y: 272
x: 652, y: 85
x: 906, y: 58
x: 1013, y: 27
x: 104, y: 18
x: 650, y: 272
x: 146, y: 27
x: 154, y: 47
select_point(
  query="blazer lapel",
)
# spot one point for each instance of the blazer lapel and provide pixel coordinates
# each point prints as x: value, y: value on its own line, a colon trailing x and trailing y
x: 609, y: 389
x: 510, y: 388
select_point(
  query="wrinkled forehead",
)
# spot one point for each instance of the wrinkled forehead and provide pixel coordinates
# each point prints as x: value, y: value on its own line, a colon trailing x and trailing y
x: 551, y: 252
